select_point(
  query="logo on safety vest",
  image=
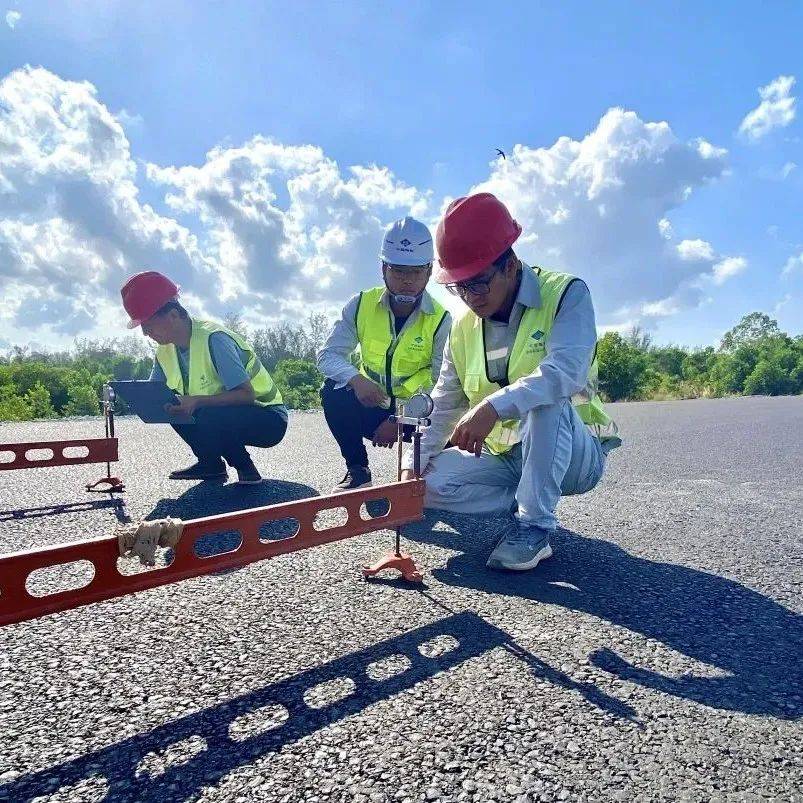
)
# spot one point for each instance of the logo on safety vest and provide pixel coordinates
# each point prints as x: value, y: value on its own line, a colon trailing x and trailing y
x: 419, y: 339
x: 537, y: 335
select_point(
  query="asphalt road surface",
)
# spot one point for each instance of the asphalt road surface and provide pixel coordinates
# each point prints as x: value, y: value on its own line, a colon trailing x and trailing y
x: 658, y: 655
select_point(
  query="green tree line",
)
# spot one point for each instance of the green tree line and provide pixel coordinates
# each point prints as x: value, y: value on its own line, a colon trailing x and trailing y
x: 755, y: 357
x: 36, y: 384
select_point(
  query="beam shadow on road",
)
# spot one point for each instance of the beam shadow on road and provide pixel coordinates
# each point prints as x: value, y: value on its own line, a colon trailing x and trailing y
x: 756, y: 642
x: 116, y: 504
x: 119, y: 767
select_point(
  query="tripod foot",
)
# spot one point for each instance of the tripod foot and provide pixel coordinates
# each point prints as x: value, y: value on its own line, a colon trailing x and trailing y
x: 115, y: 485
x: 401, y: 562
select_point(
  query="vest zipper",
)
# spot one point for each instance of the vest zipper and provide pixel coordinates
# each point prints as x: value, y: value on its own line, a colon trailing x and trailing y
x: 389, y: 354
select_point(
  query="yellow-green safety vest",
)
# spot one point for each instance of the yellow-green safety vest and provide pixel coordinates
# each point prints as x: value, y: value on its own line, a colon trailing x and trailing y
x: 203, y: 376
x: 403, y: 369
x: 467, y: 343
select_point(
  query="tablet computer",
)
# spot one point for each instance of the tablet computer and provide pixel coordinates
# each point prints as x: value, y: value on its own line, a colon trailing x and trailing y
x: 148, y: 399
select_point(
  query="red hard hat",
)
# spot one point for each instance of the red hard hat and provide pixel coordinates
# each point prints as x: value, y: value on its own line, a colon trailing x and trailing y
x: 474, y: 232
x: 146, y: 293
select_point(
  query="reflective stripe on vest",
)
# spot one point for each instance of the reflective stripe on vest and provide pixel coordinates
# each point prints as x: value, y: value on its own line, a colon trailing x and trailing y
x: 403, y: 367
x: 467, y: 343
x: 203, y: 376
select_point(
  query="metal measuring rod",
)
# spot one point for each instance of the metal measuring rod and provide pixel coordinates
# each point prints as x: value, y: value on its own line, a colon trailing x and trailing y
x: 108, y: 484
x: 413, y: 413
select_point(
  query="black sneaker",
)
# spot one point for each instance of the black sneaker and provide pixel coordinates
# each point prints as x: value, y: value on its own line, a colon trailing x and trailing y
x: 356, y: 477
x: 202, y: 470
x: 248, y: 474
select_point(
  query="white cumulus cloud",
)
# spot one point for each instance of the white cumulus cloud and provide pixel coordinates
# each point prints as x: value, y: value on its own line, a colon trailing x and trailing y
x: 286, y: 224
x: 728, y: 267
x: 72, y: 225
x: 276, y: 230
x: 12, y: 18
x: 776, y: 110
x: 615, y: 189
x: 695, y: 251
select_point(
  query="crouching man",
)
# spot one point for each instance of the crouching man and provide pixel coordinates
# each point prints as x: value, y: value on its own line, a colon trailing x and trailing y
x: 516, y: 395
x: 218, y: 377
x: 387, y: 344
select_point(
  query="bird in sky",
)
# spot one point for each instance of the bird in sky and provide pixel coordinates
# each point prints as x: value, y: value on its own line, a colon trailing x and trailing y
x: 502, y: 154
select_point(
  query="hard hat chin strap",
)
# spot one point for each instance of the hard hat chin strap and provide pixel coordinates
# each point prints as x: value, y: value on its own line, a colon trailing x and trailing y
x: 400, y: 298
x: 403, y: 298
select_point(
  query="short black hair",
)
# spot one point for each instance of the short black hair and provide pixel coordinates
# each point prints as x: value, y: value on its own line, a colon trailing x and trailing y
x: 502, y: 259
x: 172, y: 305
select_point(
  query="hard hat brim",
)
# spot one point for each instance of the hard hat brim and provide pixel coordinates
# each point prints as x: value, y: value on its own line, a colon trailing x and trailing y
x: 403, y: 261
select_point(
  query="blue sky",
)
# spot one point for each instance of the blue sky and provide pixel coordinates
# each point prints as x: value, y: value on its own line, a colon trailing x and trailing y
x: 428, y: 91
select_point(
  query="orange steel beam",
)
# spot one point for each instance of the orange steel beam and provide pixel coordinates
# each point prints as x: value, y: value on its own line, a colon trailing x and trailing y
x: 406, y: 500
x: 100, y: 450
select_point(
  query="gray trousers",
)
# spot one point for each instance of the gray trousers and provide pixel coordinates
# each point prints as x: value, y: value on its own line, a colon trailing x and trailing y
x: 557, y: 456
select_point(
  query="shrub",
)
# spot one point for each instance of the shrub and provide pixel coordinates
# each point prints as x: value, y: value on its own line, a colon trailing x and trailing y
x: 38, y: 397
x: 82, y: 400
x: 299, y: 382
x: 768, y: 379
x: 622, y: 367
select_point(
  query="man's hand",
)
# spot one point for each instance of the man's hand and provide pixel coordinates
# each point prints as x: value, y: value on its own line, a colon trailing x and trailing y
x: 367, y: 392
x: 186, y: 406
x: 386, y: 434
x: 474, y: 427
x: 409, y: 474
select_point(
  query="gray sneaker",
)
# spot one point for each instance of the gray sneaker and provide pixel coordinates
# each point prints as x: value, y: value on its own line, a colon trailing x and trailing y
x: 521, y: 548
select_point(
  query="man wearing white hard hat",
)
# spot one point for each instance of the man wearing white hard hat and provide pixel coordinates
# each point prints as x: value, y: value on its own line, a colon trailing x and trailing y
x: 386, y: 345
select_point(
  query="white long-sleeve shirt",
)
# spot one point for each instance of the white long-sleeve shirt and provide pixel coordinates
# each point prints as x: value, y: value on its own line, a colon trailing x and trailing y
x: 562, y: 372
x: 334, y: 358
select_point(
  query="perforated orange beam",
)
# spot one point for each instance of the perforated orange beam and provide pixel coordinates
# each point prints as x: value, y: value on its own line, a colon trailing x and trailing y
x: 100, y: 450
x: 406, y: 501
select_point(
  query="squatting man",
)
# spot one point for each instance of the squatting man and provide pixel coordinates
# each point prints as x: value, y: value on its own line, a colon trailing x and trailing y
x: 386, y: 346
x: 516, y: 398
x: 219, y: 379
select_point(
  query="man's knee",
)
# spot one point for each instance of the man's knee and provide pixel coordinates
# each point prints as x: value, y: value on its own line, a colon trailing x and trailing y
x: 338, y: 400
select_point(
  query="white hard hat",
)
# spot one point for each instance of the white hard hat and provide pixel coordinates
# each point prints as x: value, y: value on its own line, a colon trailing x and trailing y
x: 407, y: 242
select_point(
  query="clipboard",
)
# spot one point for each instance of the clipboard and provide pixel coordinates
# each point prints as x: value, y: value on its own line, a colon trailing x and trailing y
x: 148, y: 399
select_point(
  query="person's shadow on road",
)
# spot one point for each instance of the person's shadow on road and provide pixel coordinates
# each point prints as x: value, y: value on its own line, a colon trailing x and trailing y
x: 214, y: 498
x: 754, y: 643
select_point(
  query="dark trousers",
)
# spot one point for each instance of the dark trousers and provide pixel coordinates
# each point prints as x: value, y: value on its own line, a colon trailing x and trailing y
x: 226, y: 431
x: 350, y: 422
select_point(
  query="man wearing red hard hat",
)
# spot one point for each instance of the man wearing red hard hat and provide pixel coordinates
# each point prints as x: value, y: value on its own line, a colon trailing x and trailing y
x: 219, y: 379
x: 516, y: 396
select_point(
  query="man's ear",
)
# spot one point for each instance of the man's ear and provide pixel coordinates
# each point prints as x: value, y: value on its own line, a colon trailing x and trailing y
x: 515, y: 262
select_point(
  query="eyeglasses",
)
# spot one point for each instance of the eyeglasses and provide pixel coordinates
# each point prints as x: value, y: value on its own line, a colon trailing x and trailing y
x: 479, y: 287
x: 416, y: 271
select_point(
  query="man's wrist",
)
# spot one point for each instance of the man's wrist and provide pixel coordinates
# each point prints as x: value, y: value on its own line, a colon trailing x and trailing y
x: 501, y: 406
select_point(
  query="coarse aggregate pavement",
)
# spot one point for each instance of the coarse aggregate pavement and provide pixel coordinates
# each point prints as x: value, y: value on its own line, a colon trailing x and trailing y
x: 657, y: 656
